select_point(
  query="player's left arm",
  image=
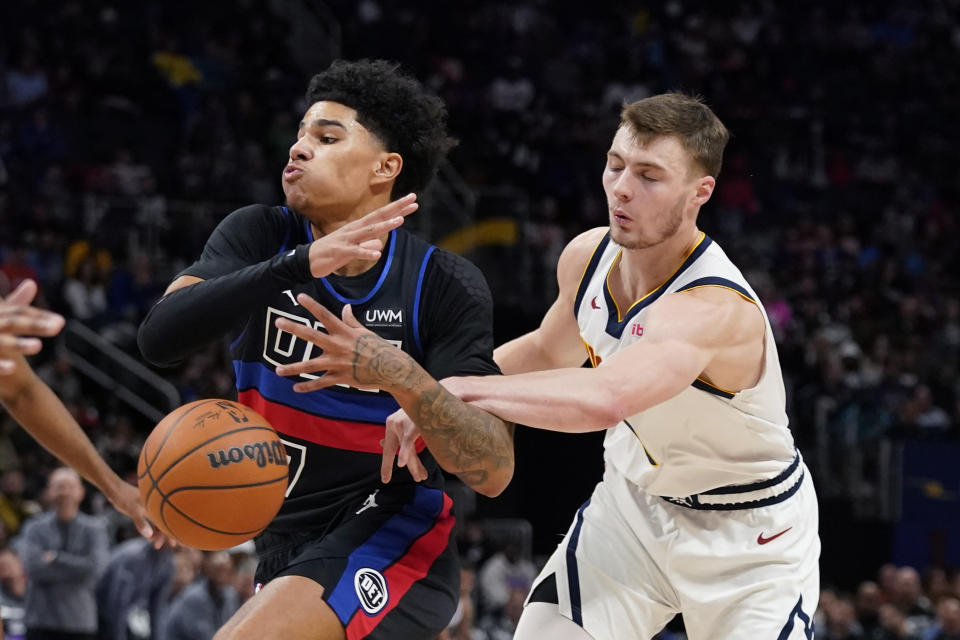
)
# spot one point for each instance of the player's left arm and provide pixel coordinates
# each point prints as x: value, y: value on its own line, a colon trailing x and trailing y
x: 683, y: 335
x: 465, y: 440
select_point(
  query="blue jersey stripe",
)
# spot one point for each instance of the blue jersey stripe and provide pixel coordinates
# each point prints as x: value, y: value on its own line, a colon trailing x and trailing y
x: 573, y: 573
x: 714, y: 281
x: 373, y: 408
x: 386, y: 545
x: 383, y: 276
x: 416, y: 301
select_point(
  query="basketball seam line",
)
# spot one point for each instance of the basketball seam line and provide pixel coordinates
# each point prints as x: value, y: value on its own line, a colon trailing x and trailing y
x: 193, y: 450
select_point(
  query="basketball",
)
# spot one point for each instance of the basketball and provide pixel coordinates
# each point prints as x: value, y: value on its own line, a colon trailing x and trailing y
x: 212, y: 474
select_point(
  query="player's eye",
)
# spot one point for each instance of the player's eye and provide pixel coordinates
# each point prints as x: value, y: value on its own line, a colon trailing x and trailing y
x: 327, y: 139
x: 648, y: 178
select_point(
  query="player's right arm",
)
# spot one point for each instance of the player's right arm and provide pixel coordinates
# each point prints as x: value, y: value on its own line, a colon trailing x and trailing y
x: 239, y: 270
x: 556, y: 343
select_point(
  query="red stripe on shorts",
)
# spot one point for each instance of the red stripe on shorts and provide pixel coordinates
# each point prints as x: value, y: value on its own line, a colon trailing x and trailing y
x: 339, y: 434
x: 409, y: 568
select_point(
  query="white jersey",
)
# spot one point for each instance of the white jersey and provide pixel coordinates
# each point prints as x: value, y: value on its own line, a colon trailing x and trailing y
x: 704, y: 438
x: 705, y: 507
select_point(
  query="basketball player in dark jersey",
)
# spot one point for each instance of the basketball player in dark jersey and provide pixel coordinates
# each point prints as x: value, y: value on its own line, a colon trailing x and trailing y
x: 349, y: 556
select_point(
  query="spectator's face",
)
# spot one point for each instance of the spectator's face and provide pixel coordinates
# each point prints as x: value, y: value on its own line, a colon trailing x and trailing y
x: 335, y: 165
x: 907, y: 585
x: 185, y: 569
x: 218, y: 567
x: 868, y: 598
x: 12, y: 484
x: 10, y: 566
x: 652, y: 189
x: 948, y: 614
x: 65, y: 489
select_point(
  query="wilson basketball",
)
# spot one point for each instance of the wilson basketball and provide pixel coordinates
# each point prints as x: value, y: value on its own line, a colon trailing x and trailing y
x: 212, y: 474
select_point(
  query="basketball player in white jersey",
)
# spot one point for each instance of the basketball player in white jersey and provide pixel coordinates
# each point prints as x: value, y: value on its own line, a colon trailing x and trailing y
x: 706, y: 507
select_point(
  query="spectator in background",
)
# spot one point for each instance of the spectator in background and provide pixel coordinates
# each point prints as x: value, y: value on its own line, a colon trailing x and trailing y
x: 14, y: 506
x: 841, y: 621
x: 133, y: 593
x: 84, y: 293
x: 503, y: 571
x: 462, y: 623
x: 63, y: 552
x: 893, y: 625
x: 501, y: 625
x: 948, y: 620
x: 204, y: 606
x: 13, y: 588
x: 867, y: 604
x: 186, y: 564
x: 912, y: 603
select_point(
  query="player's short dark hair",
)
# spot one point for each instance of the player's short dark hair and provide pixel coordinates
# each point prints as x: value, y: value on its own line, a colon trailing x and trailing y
x: 394, y: 107
x: 699, y: 130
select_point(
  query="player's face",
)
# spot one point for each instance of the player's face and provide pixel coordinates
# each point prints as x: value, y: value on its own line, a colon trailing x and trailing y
x: 332, y: 162
x: 651, y: 189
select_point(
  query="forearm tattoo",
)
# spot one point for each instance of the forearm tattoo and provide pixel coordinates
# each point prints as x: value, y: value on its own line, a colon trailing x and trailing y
x: 465, y: 440
x: 464, y: 437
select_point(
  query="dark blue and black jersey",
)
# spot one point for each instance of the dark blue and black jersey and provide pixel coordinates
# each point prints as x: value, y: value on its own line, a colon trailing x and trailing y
x: 430, y: 303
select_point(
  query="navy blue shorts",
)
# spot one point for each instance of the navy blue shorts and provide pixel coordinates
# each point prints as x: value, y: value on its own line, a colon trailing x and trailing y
x: 389, y: 569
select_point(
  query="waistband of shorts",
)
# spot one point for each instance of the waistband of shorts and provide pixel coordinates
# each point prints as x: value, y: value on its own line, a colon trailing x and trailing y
x: 747, y: 496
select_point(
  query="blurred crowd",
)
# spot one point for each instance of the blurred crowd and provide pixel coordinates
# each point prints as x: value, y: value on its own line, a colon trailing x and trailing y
x: 127, y: 130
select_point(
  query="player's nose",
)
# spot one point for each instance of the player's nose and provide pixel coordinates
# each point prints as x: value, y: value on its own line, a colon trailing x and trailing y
x: 300, y: 150
x: 621, y: 188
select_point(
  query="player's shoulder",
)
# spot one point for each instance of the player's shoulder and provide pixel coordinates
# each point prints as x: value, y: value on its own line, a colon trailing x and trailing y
x: 454, y: 269
x: 257, y: 214
x: 576, y: 255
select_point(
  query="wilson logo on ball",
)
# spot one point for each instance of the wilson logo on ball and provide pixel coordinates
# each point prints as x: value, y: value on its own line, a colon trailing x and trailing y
x: 262, y: 453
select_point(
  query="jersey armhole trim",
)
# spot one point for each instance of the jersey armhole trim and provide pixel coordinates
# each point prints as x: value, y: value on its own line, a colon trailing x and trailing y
x: 418, y: 341
x: 589, y: 270
x: 723, y: 283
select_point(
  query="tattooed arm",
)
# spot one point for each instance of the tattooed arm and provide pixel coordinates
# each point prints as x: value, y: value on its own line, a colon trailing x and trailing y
x: 465, y: 440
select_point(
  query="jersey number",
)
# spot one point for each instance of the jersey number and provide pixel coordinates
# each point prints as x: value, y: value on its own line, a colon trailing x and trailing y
x: 296, y: 458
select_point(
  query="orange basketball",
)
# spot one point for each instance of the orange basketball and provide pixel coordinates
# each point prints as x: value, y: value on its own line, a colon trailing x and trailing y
x: 212, y: 474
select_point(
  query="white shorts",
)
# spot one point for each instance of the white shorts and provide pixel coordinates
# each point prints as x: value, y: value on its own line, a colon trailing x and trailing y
x: 631, y: 561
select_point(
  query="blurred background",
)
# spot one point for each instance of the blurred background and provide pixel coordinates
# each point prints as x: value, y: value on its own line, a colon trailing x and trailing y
x: 129, y: 129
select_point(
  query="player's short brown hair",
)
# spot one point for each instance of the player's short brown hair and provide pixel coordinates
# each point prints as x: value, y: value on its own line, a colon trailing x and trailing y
x: 687, y: 117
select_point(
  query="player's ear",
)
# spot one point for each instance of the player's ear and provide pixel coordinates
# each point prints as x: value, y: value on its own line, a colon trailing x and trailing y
x: 704, y: 189
x: 387, y: 168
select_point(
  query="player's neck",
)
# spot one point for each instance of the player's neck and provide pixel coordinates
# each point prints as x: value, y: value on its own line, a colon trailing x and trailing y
x: 322, y: 225
x: 640, y: 271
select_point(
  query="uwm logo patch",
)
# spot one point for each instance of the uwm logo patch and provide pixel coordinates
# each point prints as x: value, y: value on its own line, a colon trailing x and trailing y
x: 371, y: 588
x: 388, y: 317
x: 282, y: 347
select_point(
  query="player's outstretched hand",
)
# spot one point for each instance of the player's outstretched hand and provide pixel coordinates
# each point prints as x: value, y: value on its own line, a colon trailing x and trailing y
x: 360, y: 239
x: 400, y: 442
x: 21, y: 325
x: 351, y: 354
x: 126, y: 498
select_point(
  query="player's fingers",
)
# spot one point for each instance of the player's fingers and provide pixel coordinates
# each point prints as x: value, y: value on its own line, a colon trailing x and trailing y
x: 391, y: 442
x: 416, y: 469
x: 27, y: 321
x: 324, y: 381
x: 313, y: 365
x: 10, y: 344
x: 321, y: 313
x: 309, y: 334
x: 349, y: 319
x: 400, y: 207
x: 24, y: 294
